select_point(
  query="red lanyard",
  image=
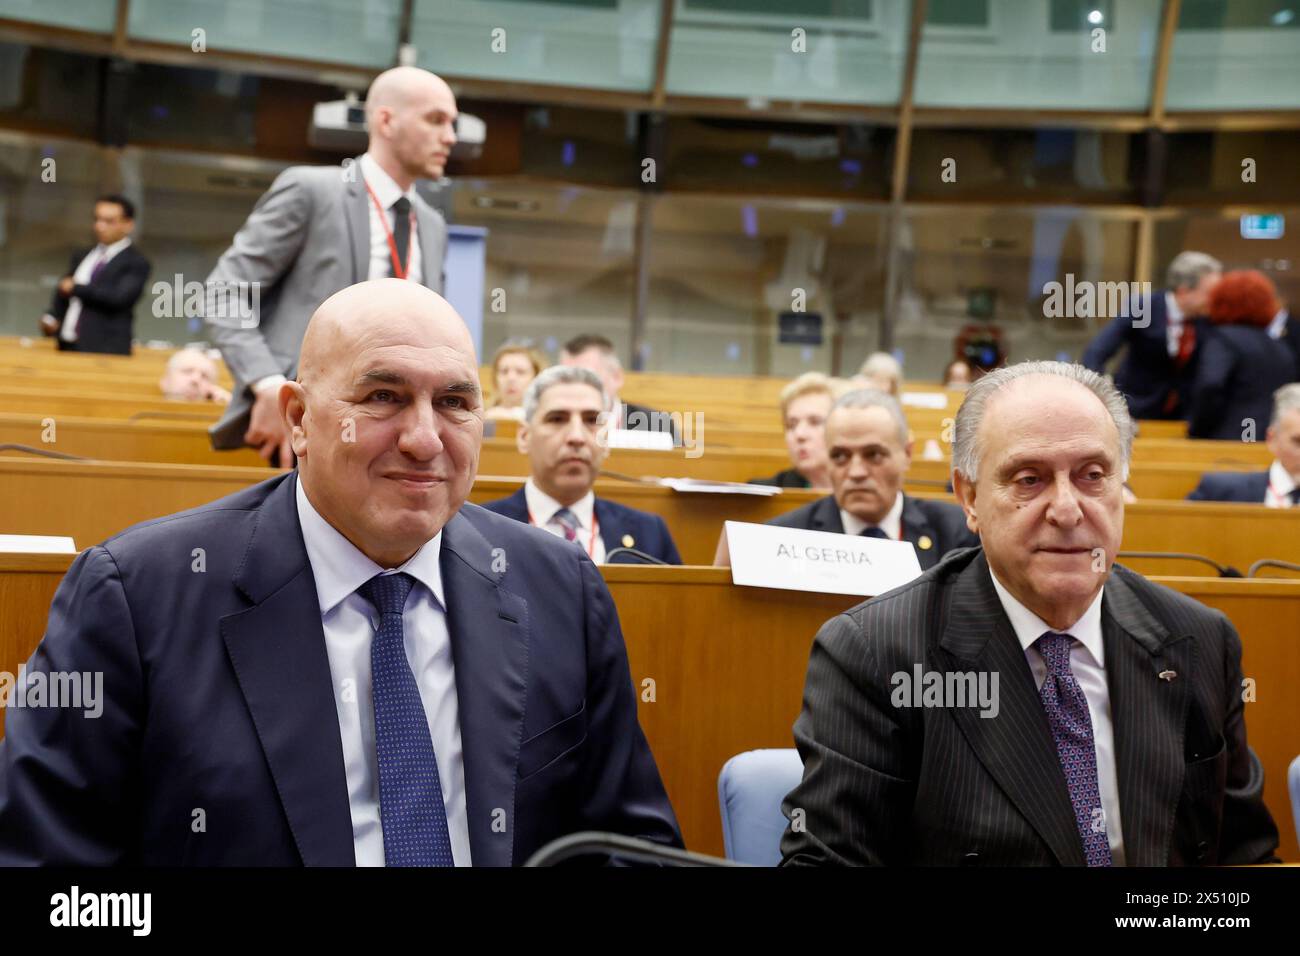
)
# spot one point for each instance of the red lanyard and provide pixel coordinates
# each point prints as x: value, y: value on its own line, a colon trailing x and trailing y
x: 399, y: 268
x: 591, y: 544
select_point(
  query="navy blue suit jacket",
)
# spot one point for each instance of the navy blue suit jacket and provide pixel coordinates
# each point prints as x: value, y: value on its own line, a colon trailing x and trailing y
x: 1248, y: 486
x: 218, y: 695
x: 1147, y: 374
x: 617, y: 522
x: 1239, y: 369
x: 942, y: 523
x: 107, y: 302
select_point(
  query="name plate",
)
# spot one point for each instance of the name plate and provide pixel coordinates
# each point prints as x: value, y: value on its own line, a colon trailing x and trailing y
x: 644, y: 441
x: 766, y: 556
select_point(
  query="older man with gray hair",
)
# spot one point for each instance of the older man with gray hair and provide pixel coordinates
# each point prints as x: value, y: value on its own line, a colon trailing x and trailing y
x: 1279, y: 486
x: 1162, y: 335
x: 1118, y: 735
x: 869, y: 449
x: 566, y: 418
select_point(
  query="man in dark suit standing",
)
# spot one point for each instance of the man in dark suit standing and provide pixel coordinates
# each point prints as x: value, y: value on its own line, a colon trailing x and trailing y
x: 564, y: 422
x: 596, y: 354
x: 869, y: 449
x: 93, y: 305
x: 1114, y: 733
x: 342, y: 665
x: 1160, y: 361
x: 319, y: 229
x: 1279, y: 487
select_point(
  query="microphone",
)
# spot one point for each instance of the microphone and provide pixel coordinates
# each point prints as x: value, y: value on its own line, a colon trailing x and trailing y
x: 645, y: 558
x: 617, y: 845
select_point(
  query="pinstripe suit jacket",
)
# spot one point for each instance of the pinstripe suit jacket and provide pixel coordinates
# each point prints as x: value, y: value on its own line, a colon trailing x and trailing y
x: 895, y: 785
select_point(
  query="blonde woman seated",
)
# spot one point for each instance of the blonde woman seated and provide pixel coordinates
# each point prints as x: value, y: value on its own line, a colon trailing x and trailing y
x: 513, y: 368
x: 882, y: 372
x: 805, y: 403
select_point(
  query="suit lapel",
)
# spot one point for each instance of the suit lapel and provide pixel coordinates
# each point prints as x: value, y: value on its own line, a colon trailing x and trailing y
x: 826, y: 516
x: 916, y: 525
x: 431, y: 255
x: 356, y: 211
x: 489, y: 645
x: 611, y: 531
x: 1148, y: 716
x: 1016, y: 746
x: 277, y: 649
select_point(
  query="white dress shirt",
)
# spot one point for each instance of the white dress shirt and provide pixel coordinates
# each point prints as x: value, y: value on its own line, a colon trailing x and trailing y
x: 891, y: 523
x: 388, y: 192
x: 350, y: 623
x: 542, y: 508
x: 1174, y: 327
x: 1277, y: 325
x: 1088, y: 664
x: 68, y: 331
x: 1280, y: 486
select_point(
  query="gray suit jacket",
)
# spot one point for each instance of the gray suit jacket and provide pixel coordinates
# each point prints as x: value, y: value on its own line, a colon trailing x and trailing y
x: 946, y: 786
x: 307, y: 238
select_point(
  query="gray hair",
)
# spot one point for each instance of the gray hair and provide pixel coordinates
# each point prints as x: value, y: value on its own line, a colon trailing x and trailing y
x: 1186, y: 269
x: 874, y: 398
x: 1285, y: 399
x: 965, y: 442
x: 882, y: 363
x: 560, y: 375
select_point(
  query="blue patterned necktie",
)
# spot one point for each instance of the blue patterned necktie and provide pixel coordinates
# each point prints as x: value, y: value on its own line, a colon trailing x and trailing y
x: 411, y: 810
x: 567, y: 520
x: 874, y: 532
x: 1067, y: 715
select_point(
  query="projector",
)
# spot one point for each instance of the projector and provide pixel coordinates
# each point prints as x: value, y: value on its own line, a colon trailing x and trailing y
x: 340, y: 126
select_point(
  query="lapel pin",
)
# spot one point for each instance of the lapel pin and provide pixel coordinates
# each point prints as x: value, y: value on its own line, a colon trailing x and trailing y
x: 628, y: 541
x: 924, y: 542
x: 1168, y: 675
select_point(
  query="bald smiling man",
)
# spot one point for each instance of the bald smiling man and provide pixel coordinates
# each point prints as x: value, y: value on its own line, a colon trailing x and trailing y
x: 319, y: 229
x: 346, y: 664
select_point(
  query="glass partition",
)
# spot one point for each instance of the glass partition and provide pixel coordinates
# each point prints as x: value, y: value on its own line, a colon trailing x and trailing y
x: 93, y: 16
x: 1243, y: 54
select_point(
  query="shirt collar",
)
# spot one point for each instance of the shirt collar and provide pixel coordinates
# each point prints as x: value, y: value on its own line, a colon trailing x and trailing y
x: 1029, y: 627
x: 1174, y: 313
x: 385, y: 189
x: 109, y: 252
x: 542, y: 506
x: 339, y: 568
x: 891, y: 523
x: 1278, y: 479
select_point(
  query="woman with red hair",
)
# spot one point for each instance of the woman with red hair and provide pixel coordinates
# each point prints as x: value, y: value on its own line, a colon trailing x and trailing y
x: 1239, y: 366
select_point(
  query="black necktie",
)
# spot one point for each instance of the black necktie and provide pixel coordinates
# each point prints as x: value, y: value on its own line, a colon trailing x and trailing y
x: 1294, y: 495
x: 402, y: 232
x: 874, y: 533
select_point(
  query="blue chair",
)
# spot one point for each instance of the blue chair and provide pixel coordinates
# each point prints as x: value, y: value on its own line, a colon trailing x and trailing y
x: 1293, y: 782
x: 750, y: 790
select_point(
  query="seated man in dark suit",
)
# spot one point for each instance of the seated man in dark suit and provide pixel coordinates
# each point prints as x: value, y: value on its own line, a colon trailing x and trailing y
x: 869, y: 449
x: 1162, y: 345
x: 346, y: 664
x: 1074, y: 713
x: 93, y: 305
x: 1279, y: 487
x: 596, y: 354
x: 564, y: 414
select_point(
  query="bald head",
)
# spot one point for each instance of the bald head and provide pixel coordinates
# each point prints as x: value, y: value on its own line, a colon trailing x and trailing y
x: 386, y: 416
x: 411, y: 117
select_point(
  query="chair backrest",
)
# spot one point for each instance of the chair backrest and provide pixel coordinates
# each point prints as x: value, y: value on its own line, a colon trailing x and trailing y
x: 750, y: 790
x: 1293, y: 782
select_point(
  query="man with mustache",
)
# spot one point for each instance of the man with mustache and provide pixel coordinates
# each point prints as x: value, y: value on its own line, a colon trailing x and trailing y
x: 343, y: 665
x: 565, y: 416
x: 1119, y: 735
x: 869, y: 450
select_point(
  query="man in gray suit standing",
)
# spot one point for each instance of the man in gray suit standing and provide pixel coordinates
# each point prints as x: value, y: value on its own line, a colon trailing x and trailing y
x: 319, y: 229
x: 1030, y: 702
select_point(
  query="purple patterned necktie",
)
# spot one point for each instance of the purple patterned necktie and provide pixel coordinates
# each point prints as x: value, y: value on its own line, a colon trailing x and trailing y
x: 411, y: 811
x: 567, y: 520
x: 103, y: 260
x: 1067, y: 715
